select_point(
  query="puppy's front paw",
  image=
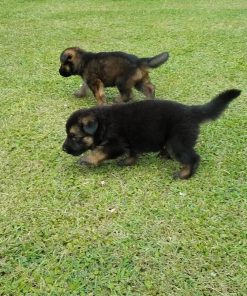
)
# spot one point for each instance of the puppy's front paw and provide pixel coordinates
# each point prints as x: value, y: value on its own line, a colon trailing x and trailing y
x: 122, y: 99
x: 86, y: 160
x: 79, y: 94
x: 94, y: 158
x: 181, y: 175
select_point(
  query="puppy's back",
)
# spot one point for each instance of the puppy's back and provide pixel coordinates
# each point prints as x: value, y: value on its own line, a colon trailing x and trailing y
x: 148, y: 112
x: 145, y: 125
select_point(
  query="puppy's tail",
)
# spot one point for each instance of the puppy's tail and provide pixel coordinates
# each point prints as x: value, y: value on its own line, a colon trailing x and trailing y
x: 155, y: 61
x: 213, y: 109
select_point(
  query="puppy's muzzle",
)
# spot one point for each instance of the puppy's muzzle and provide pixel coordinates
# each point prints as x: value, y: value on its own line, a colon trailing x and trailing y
x: 70, y: 150
x: 64, y: 72
x: 65, y: 149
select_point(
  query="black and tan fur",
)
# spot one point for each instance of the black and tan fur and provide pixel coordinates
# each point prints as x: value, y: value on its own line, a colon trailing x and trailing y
x: 130, y: 129
x: 108, y: 69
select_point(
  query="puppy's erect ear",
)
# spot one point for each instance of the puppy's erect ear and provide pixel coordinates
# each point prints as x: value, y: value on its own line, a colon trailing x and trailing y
x: 65, y: 57
x: 91, y: 127
x: 89, y: 124
x: 69, y: 57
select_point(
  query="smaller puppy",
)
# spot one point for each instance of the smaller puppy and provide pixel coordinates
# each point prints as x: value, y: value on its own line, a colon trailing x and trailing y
x: 145, y: 126
x: 108, y: 69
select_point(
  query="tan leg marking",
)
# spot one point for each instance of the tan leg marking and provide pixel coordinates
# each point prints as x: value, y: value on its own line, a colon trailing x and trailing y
x: 98, y: 90
x: 95, y: 157
x: 147, y: 88
x: 185, y: 172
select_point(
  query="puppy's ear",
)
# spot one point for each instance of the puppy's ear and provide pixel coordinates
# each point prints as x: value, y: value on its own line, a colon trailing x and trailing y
x: 69, y: 57
x: 89, y: 124
x: 65, y: 57
x: 91, y: 128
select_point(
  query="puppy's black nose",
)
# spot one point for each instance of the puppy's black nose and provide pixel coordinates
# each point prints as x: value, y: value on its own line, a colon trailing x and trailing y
x: 63, y: 72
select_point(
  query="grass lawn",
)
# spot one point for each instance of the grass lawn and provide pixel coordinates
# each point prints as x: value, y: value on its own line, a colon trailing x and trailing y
x: 72, y: 230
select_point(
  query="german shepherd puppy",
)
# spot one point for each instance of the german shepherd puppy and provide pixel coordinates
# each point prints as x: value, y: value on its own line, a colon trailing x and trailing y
x: 146, y: 126
x: 107, y: 69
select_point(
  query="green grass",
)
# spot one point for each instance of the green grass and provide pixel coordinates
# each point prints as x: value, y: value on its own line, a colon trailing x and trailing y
x: 71, y: 230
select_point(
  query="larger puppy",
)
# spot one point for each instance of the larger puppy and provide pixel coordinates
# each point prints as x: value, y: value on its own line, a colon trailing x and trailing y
x: 107, y: 69
x: 152, y: 125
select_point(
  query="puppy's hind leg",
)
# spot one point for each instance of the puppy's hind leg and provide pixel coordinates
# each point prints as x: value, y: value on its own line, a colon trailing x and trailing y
x: 146, y: 87
x: 125, y: 91
x: 83, y: 91
x: 186, y: 156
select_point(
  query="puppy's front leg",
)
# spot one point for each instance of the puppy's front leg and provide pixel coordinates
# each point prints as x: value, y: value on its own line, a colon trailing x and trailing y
x: 83, y: 91
x: 97, y: 88
x: 111, y: 150
x: 97, y: 156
